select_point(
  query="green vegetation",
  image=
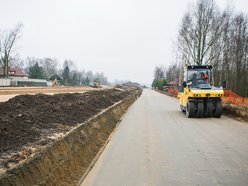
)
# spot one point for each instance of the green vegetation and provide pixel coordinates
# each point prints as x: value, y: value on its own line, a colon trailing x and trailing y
x: 159, y: 84
x: 36, y: 72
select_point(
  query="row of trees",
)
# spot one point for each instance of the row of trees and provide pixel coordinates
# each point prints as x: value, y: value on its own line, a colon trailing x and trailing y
x: 163, y: 76
x: 47, y: 67
x: 75, y: 77
x: 42, y: 68
x: 208, y: 36
x: 159, y: 78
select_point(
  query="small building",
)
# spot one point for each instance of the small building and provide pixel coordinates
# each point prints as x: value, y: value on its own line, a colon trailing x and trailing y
x: 18, y: 78
x: 14, y: 73
x: 55, y: 79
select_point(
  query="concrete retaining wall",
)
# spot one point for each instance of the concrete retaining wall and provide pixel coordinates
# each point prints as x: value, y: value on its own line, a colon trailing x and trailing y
x: 65, y: 161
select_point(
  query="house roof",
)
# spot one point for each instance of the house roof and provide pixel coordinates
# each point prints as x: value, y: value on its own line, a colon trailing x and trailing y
x: 16, y: 72
x: 55, y: 76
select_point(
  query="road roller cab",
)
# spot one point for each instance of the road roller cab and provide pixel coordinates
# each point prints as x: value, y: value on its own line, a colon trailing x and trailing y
x: 197, y: 96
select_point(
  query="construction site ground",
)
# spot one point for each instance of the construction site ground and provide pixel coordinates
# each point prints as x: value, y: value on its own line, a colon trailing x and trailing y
x: 31, y: 120
x: 155, y: 143
x: 7, y: 93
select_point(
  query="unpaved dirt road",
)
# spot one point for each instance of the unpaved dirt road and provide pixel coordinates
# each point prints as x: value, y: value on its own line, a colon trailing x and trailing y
x: 7, y: 93
x: 156, y: 144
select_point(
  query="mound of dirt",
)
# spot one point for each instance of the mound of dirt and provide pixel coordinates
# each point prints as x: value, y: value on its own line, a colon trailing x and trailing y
x: 37, y: 120
x: 128, y: 85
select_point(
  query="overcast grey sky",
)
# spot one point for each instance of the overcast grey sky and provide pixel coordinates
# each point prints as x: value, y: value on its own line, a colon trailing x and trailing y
x: 125, y: 39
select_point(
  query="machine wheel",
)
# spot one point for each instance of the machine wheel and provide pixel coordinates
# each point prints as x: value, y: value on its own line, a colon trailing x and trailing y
x: 182, y: 108
x: 200, y: 110
x: 218, y: 109
x: 209, y: 109
x: 190, y: 109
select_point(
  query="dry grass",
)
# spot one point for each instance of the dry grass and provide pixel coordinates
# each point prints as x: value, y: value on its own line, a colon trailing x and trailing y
x: 236, y: 111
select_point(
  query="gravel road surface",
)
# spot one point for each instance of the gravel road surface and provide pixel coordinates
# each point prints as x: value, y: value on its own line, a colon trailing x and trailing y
x: 156, y: 144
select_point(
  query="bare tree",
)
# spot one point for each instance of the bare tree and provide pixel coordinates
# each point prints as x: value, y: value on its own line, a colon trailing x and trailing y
x: 101, y: 78
x: 16, y: 62
x: 159, y: 73
x: 50, y: 66
x: 173, y: 73
x: 219, y: 39
x: 226, y: 49
x: 30, y: 62
x: 159, y: 77
x: 199, y: 33
x: 90, y: 76
x: 240, y: 51
x: 7, y: 42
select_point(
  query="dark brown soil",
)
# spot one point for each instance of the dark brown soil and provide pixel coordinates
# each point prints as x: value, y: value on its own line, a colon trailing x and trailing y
x: 26, y: 119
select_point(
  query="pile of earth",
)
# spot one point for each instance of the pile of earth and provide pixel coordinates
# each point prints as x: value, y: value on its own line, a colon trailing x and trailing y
x: 37, y: 120
x: 129, y: 85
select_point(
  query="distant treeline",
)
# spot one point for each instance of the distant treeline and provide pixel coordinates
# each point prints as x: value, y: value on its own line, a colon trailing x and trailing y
x: 47, y: 67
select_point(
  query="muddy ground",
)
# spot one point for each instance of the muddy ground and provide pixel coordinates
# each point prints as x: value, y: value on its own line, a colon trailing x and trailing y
x: 30, y: 122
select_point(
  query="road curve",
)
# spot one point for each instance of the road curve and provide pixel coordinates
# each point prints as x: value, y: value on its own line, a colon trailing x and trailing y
x: 156, y: 144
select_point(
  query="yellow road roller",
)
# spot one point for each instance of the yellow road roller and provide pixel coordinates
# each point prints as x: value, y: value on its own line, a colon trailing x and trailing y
x: 197, y: 95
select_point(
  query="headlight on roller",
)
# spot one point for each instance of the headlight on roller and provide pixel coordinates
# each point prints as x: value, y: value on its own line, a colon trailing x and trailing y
x: 197, y: 95
x: 218, y: 95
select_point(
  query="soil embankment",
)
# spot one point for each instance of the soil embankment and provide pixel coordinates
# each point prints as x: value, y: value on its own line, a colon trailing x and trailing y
x: 56, y: 136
